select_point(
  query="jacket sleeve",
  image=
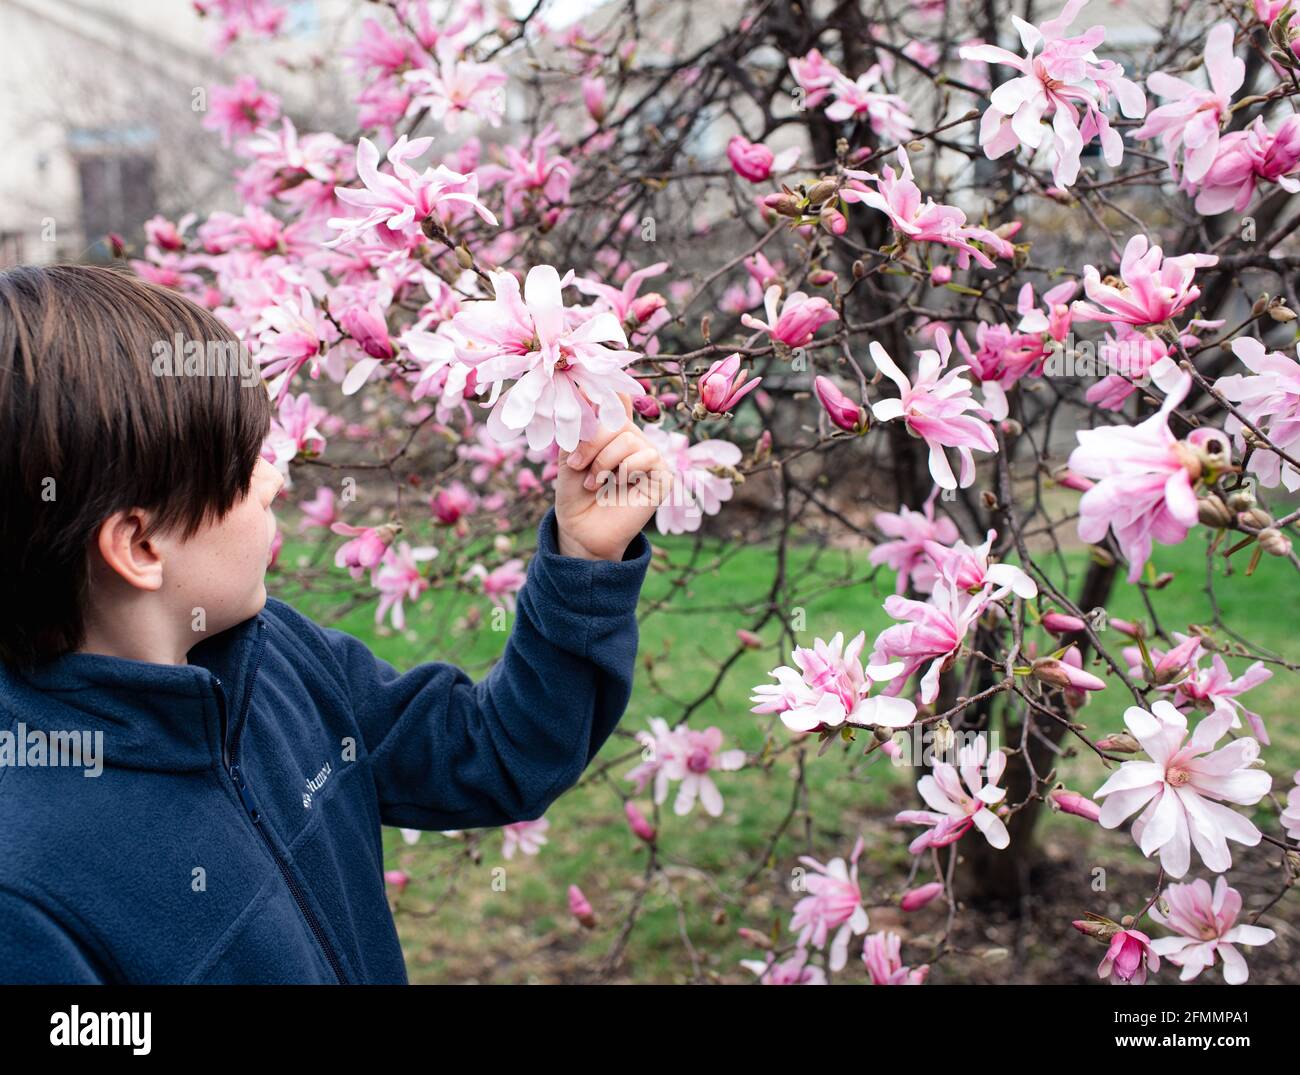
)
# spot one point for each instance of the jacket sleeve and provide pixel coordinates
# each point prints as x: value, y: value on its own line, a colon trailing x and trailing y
x: 36, y: 950
x: 449, y: 753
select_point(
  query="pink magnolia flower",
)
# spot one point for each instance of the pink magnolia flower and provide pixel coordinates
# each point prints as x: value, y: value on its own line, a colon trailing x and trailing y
x: 792, y: 971
x: 1003, y: 356
x: 1136, y: 359
x: 532, y: 174
x: 755, y: 162
x: 1269, y: 397
x: 526, y: 836
x: 1290, y: 817
x: 1179, y: 673
x: 491, y: 456
x: 696, y: 490
x: 395, y: 205
x: 960, y: 797
x: 234, y: 18
x: 566, y: 369
x: 458, y: 86
x: 366, y: 548
x: 1206, y: 924
x: 1244, y: 159
x: 933, y: 636
x: 239, y: 109
x: 1144, y: 488
x: 1179, y: 786
x: 688, y: 756
x: 968, y: 569
x: 1059, y: 82
x: 502, y: 583
x: 1191, y: 121
x: 319, y: 511
x: 398, y: 578
x: 899, y: 198
x: 856, y: 100
x: 293, y: 334
x: 934, y: 410
x: 720, y: 387
x: 623, y: 301
x: 834, y: 902
x: 828, y: 688
x: 1128, y: 958
x: 294, y: 431
x: 814, y: 75
x: 912, y: 531
x: 594, y: 97
x: 882, y: 954
x: 1155, y: 288
x: 450, y: 504
x: 794, y: 322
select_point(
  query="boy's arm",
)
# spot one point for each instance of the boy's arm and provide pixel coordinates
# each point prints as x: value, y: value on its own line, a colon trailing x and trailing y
x: 448, y: 753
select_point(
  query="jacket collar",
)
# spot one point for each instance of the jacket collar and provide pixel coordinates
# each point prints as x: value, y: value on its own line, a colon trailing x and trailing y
x: 159, y: 717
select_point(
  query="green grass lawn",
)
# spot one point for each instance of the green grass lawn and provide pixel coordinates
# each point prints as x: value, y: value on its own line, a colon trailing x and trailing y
x: 471, y: 915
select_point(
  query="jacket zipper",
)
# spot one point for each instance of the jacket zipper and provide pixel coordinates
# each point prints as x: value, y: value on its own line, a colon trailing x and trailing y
x: 231, y: 760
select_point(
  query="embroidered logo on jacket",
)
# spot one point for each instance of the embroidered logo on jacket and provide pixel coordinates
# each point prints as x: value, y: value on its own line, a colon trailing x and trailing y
x: 315, y: 784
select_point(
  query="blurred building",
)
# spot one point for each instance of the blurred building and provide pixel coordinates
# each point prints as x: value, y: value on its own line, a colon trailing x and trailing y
x: 101, y: 109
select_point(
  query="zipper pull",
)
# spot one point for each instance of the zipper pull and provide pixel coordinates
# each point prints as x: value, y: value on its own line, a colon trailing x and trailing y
x: 245, y: 794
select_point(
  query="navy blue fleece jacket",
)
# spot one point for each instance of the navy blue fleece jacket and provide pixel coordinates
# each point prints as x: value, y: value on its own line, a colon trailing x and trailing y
x: 233, y: 834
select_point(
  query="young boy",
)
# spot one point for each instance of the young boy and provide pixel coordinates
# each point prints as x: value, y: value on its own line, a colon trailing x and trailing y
x: 236, y: 760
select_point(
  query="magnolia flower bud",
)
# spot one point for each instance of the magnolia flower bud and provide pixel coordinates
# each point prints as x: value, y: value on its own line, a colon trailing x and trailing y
x: 580, y: 908
x: 916, y: 898
x: 1211, y: 511
x: 1063, y: 674
x: 1058, y: 623
x: 754, y: 937
x: 748, y: 639
x: 1281, y: 313
x: 1071, y: 802
x: 638, y: 822
x: 940, y: 275
x: 648, y: 408
x: 822, y: 190
x: 1241, y: 500
x: 1274, y: 542
x: 821, y: 277
x: 1255, y: 519
x: 846, y: 414
x: 784, y: 204
x: 1118, y: 743
x: 1070, y: 480
x: 646, y: 306
x: 833, y: 220
x: 399, y: 879
x: 1102, y: 930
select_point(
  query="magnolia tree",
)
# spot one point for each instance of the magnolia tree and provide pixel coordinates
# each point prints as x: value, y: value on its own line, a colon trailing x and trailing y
x: 1020, y: 293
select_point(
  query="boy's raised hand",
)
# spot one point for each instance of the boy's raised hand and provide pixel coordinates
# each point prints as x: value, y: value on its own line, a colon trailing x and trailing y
x: 607, y: 488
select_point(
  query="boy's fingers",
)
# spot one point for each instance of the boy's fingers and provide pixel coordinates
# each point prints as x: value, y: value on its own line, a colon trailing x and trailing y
x: 620, y: 446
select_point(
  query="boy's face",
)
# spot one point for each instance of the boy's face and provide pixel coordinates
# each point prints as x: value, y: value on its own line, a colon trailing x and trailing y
x: 222, y: 568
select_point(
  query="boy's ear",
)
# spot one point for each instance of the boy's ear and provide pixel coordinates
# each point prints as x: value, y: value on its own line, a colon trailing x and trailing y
x: 135, y: 558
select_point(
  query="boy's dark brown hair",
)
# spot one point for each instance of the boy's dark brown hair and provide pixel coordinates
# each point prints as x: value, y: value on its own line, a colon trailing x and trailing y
x: 88, y: 428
